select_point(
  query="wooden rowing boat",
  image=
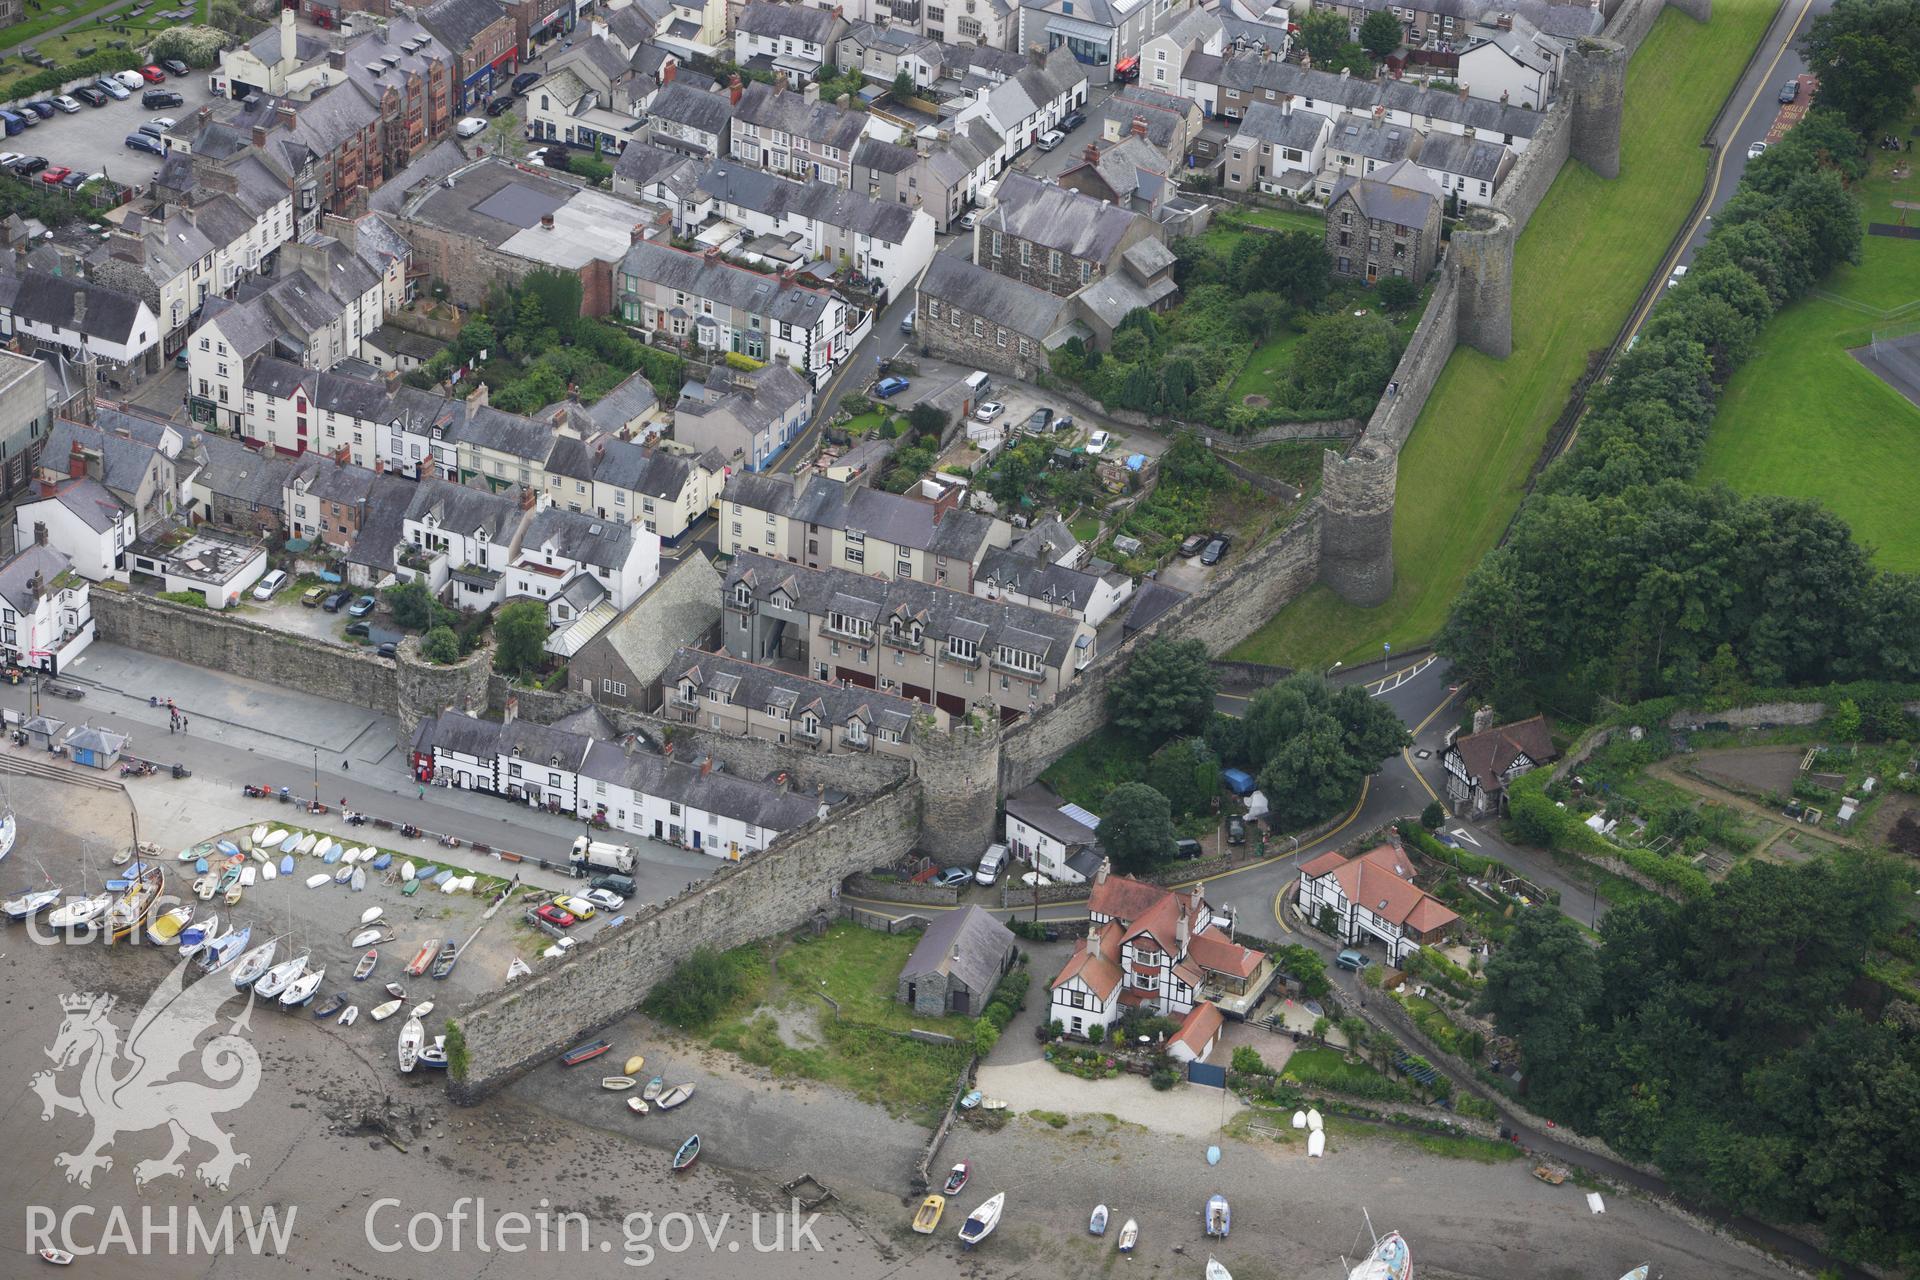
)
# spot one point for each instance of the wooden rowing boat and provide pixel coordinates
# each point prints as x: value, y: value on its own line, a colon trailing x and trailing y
x: 423, y: 958
x: 927, y: 1217
x: 584, y: 1052
x: 689, y: 1152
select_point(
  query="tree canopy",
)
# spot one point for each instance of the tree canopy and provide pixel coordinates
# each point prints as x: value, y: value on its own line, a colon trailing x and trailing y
x: 1167, y: 689
x: 1867, y: 54
x: 1136, y: 827
x: 1309, y: 744
x: 520, y: 637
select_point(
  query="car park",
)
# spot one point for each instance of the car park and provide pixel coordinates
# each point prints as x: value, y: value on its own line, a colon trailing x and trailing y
x: 1040, y: 421
x: 1790, y: 91
x: 1352, y: 960
x: 1097, y: 442
x: 146, y: 142
x: 954, y: 876
x: 360, y: 630
x: 153, y: 99
x: 1051, y: 139
x: 174, y: 66
x: 67, y: 103
x: 1214, y: 551
x: 500, y: 106
x: 17, y: 121
x: 265, y: 588
x: 362, y: 607
x: 312, y: 596
x: 91, y: 95
x: 890, y: 386
x: 989, y: 411
x: 51, y: 176
x: 152, y: 74
x: 554, y: 916
x: 76, y: 180
x: 525, y: 81
x: 159, y: 125
x: 113, y: 88
x: 470, y: 126
x: 131, y: 79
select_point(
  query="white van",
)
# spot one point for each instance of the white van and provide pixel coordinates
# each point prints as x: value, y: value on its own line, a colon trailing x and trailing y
x: 265, y: 588
x: 990, y: 865
x: 978, y: 384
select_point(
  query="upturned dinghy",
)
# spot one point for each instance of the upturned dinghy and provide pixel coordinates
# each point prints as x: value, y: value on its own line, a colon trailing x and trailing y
x: 333, y: 855
x: 371, y: 914
x: 324, y: 846
x: 981, y: 1222
x: 276, y: 836
x: 317, y: 879
x: 286, y: 865
x: 247, y: 875
x: 260, y: 835
x: 1317, y: 1143
x: 406, y: 870
x: 306, y: 844
x: 1314, y: 1123
x: 382, y: 862
x: 927, y: 1216
x: 634, y: 1065
x: 291, y: 843
x: 368, y: 937
x: 358, y: 880
x: 269, y: 872
x: 427, y: 872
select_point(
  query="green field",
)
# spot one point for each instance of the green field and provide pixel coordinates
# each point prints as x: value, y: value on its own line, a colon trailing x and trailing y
x: 1805, y: 419
x: 1579, y: 267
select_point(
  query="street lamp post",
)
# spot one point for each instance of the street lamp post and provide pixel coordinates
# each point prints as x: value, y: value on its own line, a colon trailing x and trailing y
x: 316, y: 778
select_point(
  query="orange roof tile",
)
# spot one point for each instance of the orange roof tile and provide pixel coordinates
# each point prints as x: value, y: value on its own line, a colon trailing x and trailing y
x: 1324, y: 863
x: 1201, y: 1026
x: 1212, y: 950
x: 1093, y: 967
x: 1430, y: 914
x: 1124, y: 899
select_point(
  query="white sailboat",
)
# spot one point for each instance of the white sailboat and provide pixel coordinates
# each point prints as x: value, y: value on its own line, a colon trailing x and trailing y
x: 254, y: 963
x: 1390, y: 1258
x: 302, y: 989
x: 78, y: 913
x: 412, y: 1036
x: 8, y: 830
x: 280, y: 977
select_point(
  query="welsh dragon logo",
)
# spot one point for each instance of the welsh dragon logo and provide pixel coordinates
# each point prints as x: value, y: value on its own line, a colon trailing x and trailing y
x: 133, y: 1088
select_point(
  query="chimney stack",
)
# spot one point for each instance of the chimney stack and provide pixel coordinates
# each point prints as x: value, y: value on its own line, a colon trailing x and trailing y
x: 733, y: 89
x: 668, y: 70
x: 1092, y: 154
x: 711, y: 254
x: 638, y: 233
x: 477, y: 398
x: 1463, y: 92
x: 259, y: 131
x: 1139, y: 126
x: 1482, y: 719
x: 1101, y: 872
x: 511, y: 711
x: 706, y: 766
x: 337, y: 59
x: 1036, y: 56
x: 39, y: 533
x: 546, y: 222
x: 285, y: 112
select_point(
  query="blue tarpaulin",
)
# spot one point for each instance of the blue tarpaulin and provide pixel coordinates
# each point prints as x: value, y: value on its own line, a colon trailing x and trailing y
x: 1238, y: 781
x: 1135, y: 461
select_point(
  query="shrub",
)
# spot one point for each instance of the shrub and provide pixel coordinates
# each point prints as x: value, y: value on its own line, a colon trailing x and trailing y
x: 1397, y: 293
x: 191, y: 598
x: 1247, y: 1061
x: 195, y: 46
x: 440, y: 645
x: 1096, y: 1033
x: 698, y: 990
x: 592, y: 168
x: 1434, y: 814
x: 985, y: 1036
x: 456, y: 1051
x: 59, y: 77
x: 1163, y: 1078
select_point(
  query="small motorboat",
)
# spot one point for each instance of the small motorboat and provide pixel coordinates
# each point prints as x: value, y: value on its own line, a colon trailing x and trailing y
x: 518, y: 970
x: 689, y: 1152
x: 423, y: 958
x: 253, y: 964
x: 384, y: 1011
x: 302, y: 989
x: 971, y: 1100
x: 286, y: 865
x: 448, y: 957
x: 434, y: 1056
x: 280, y: 977
x: 58, y: 1257
x: 584, y: 1052
x: 317, y: 879
x: 30, y: 903
x: 412, y: 1036
x: 1129, y: 1235
x: 166, y: 928
x: 1219, y: 1216
x: 222, y: 950
x: 1390, y: 1260
x: 397, y: 991
x: 981, y: 1222
x: 927, y: 1216
x: 652, y: 1092
x: 422, y: 1009
x: 332, y: 1005
x: 197, y: 935
x: 674, y: 1097
x: 365, y: 967
x: 617, y: 1084
x: 1215, y: 1271
x: 371, y: 914
x: 634, y: 1064
x: 957, y: 1177
x: 349, y: 1014
x: 637, y: 1105
x: 1097, y: 1225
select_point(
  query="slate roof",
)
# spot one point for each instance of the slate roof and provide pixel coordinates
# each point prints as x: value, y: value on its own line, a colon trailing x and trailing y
x: 382, y: 522
x: 66, y: 302
x: 736, y: 287
x: 643, y: 469
x: 1116, y: 295
x: 820, y: 122
x: 1032, y: 313
x: 685, y: 105
x: 777, y: 197
x: 788, y: 21
x: 1381, y: 140
x: 579, y: 537
x: 124, y: 462
x: 1316, y: 90
x: 1489, y: 754
x: 745, y: 801
x: 485, y: 427
x: 459, y: 22
x: 890, y: 517
x: 1150, y: 602
x: 1040, y: 808
x: 232, y: 471
x: 883, y: 157
x: 627, y: 401
x: 1474, y: 158
x: 940, y: 612
x: 455, y: 506
x: 1055, y: 217
x: 1401, y: 193
x: 1268, y: 123
x: 755, y: 688
x: 683, y: 604
x: 643, y: 165
x: 15, y: 576
x: 967, y: 944
x: 1037, y: 579
x: 756, y: 400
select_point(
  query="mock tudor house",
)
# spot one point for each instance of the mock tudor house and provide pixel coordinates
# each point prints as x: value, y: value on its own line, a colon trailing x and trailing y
x: 959, y: 961
x: 1157, y: 951
x: 1373, y: 897
x: 1480, y: 765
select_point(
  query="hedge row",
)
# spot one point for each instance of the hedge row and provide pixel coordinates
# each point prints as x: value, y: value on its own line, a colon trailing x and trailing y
x: 98, y: 64
x: 1430, y: 846
x: 1538, y: 817
x: 1655, y: 712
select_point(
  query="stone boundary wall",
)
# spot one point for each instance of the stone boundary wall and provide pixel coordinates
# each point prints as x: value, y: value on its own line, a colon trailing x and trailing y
x: 541, y: 706
x: 1235, y: 674
x: 1022, y: 896
x: 1534, y: 170
x: 514, y: 1030
x: 1420, y: 365
x: 925, y: 895
x: 1331, y: 429
x: 1266, y: 484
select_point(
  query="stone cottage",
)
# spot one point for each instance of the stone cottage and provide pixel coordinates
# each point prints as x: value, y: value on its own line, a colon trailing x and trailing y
x: 960, y: 960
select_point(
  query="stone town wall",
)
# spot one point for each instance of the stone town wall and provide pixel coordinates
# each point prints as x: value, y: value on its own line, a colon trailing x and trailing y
x: 857, y: 773
x: 422, y: 689
x: 1534, y: 170
x: 221, y: 642
x: 516, y: 1029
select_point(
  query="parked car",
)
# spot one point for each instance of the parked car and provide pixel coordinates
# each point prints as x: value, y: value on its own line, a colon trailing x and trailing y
x: 470, y: 126
x: 153, y: 99
x: 1353, y: 960
x: 500, y: 105
x: 890, y: 386
x: 264, y: 589
x: 906, y: 324
x: 554, y: 916
x: 75, y: 180
x: 360, y: 630
x: 157, y: 127
x: 1040, y: 421
x: 1790, y: 91
x: 1214, y: 551
x: 605, y: 899
x: 146, y: 142
x: 67, y: 103
x: 312, y: 596
x: 954, y: 876
x: 53, y: 175
x: 613, y: 882
x: 579, y: 907
x: 174, y: 66
x: 989, y: 411
x: 91, y: 95
x: 1757, y: 150
x: 42, y: 107
x: 336, y: 601
x: 386, y: 649
x: 1072, y: 120
x: 113, y: 88
x: 1051, y: 139
x: 525, y: 81
x: 1191, y: 545
x: 1236, y: 831
x: 968, y: 219
x: 362, y: 607
x: 131, y: 80
x: 26, y: 166
x: 18, y: 121
x: 990, y: 864
x: 1187, y: 849
x: 1679, y: 274
x: 1097, y: 442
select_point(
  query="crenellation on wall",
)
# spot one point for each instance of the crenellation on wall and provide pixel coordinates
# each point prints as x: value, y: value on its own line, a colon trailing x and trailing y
x: 958, y: 773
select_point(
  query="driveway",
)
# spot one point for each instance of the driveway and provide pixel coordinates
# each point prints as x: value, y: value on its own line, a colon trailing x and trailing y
x: 285, y: 613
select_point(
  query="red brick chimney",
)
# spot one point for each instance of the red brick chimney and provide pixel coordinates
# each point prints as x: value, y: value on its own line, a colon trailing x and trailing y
x: 1139, y: 126
x: 733, y: 90
x: 638, y: 233
x: 259, y: 136
x: 668, y: 71
x: 1092, y: 154
x: 77, y: 463
x: 706, y: 766
x: 712, y: 254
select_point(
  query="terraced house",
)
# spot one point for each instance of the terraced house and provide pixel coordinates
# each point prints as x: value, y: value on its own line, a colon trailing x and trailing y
x: 351, y: 411
x: 482, y: 38
x: 728, y: 695
x: 943, y: 648
x: 795, y: 134
x: 715, y: 306
x: 793, y: 38
x: 1052, y: 238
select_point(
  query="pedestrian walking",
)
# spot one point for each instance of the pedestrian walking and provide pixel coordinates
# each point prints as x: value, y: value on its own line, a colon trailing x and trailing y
x: 423, y: 791
x: 183, y: 724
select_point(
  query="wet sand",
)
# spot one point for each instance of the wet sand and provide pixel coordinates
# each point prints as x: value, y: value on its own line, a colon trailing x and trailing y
x: 333, y: 1129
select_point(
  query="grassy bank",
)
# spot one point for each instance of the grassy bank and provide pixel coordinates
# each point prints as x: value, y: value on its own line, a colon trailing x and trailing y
x: 1805, y: 419
x: 1578, y: 269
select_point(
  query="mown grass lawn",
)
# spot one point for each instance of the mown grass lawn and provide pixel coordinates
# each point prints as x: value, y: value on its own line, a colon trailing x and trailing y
x: 1095, y: 767
x: 1267, y: 366
x: 1224, y: 230
x: 1578, y: 269
x: 1805, y: 419
x: 860, y: 1050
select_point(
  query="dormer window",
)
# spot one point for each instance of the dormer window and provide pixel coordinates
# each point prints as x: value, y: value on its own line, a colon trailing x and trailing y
x: 743, y: 595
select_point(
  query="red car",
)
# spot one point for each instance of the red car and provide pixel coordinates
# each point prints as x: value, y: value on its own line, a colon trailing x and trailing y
x: 556, y: 917
x: 52, y: 176
x: 152, y: 74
